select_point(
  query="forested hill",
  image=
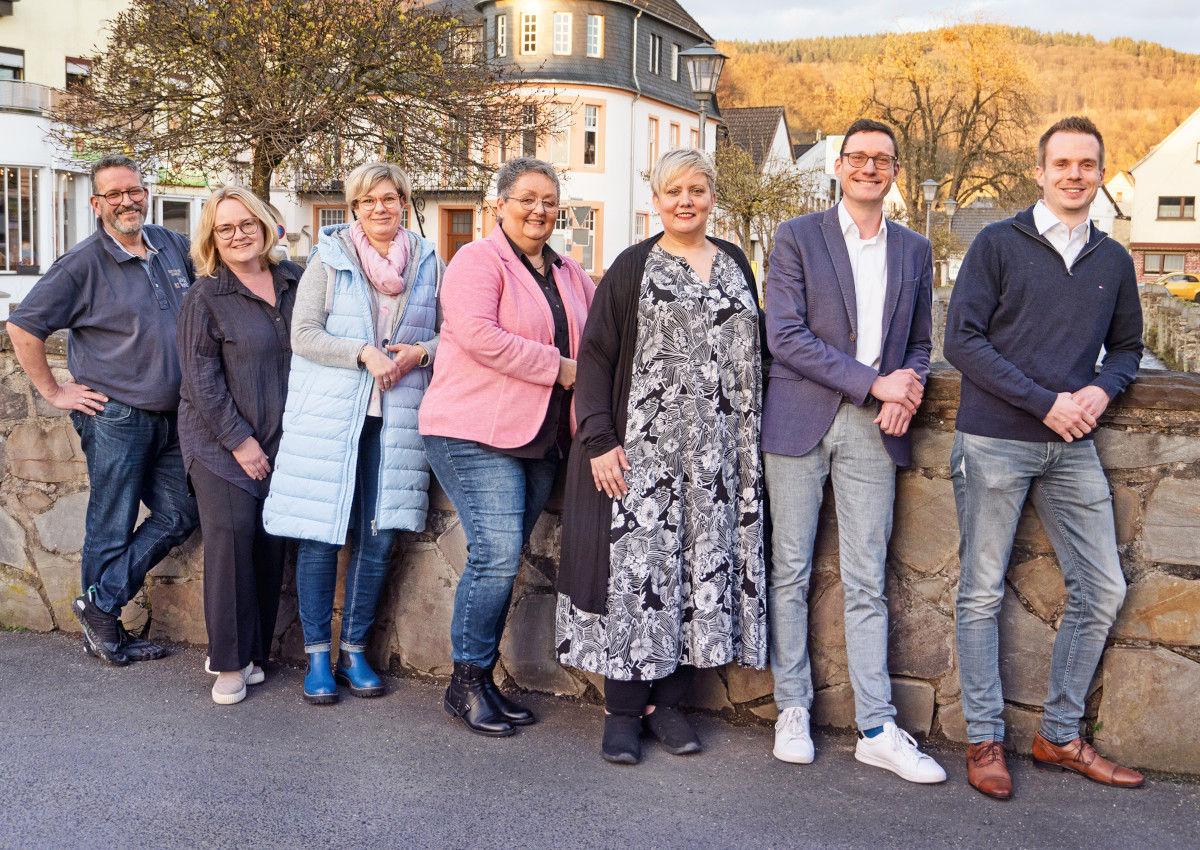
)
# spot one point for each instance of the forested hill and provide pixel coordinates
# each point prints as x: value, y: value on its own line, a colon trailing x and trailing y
x: 1136, y: 91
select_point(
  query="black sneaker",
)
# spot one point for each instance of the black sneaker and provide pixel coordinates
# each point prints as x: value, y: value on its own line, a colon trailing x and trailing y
x: 673, y: 731
x: 101, y: 631
x: 138, y: 649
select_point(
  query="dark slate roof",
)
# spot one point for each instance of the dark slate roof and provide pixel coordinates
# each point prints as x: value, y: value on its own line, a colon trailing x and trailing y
x: 672, y: 13
x: 801, y: 149
x: 752, y: 128
x: 974, y: 217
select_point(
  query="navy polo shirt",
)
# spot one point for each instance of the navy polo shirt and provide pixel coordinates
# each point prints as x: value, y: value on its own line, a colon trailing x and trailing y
x: 120, y: 310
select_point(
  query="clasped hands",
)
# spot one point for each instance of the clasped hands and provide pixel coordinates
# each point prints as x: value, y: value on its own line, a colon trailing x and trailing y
x: 389, y: 370
x: 1075, y: 414
x: 900, y: 395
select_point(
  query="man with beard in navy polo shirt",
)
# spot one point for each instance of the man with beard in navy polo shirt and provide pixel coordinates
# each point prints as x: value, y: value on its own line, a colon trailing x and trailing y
x: 119, y: 292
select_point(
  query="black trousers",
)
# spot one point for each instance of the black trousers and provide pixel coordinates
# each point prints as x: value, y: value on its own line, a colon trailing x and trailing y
x: 243, y: 572
x: 631, y: 698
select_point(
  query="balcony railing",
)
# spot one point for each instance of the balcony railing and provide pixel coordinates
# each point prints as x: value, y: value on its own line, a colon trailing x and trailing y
x: 20, y: 96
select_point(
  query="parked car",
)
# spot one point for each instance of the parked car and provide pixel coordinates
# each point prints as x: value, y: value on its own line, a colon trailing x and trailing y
x: 1185, y: 286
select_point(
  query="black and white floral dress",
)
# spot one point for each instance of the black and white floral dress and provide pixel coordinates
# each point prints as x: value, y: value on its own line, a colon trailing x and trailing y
x: 687, y: 582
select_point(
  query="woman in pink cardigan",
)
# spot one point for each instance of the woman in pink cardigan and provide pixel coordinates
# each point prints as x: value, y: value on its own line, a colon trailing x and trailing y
x: 498, y: 416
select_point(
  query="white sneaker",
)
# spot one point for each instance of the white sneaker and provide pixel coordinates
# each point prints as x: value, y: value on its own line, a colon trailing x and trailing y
x: 793, y: 743
x: 895, y: 750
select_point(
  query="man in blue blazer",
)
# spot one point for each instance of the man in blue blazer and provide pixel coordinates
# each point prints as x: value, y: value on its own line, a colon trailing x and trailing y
x: 848, y: 300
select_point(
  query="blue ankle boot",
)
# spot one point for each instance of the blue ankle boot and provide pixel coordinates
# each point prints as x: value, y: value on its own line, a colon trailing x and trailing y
x: 354, y: 672
x: 319, y: 687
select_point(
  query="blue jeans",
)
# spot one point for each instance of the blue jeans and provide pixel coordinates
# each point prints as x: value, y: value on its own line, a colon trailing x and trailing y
x: 132, y: 456
x: 864, y: 487
x: 991, y: 480
x: 498, y: 499
x: 370, y: 560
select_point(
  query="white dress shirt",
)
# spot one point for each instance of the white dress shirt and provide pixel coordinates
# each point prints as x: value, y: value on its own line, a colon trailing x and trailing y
x: 868, y: 262
x: 1066, y: 241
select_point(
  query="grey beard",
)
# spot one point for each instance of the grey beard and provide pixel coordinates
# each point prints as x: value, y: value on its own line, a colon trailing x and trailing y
x: 126, y: 230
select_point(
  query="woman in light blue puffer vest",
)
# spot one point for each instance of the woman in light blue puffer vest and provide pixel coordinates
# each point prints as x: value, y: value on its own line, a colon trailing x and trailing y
x: 364, y: 336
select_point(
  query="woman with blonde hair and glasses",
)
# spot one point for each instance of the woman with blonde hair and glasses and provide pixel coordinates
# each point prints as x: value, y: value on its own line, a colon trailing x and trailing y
x: 662, y: 568
x: 365, y: 336
x: 234, y: 352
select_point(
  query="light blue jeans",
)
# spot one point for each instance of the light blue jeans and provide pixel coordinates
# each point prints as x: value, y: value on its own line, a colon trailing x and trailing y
x: 992, y: 478
x: 864, y: 487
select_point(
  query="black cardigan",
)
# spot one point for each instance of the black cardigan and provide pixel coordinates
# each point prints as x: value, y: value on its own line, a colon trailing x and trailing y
x: 603, y: 376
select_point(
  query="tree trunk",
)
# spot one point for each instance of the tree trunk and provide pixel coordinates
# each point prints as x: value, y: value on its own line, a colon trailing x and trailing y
x: 264, y: 167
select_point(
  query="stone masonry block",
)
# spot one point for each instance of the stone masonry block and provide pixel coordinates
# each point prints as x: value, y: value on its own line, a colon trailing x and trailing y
x: 1026, y: 643
x: 1172, y: 524
x: 931, y: 449
x: 1040, y: 581
x: 834, y: 707
x: 925, y: 530
x: 50, y: 454
x: 424, y: 606
x: 61, y: 582
x: 1134, y: 449
x: 914, y: 703
x: 22, y: 606
x: 453, y: 543
x: 61, y: 528
x: 708, y: 691
x: 746, y: 684
x: 528, y: 647
x: 921, y: 643
x: 1127, y: 509
x: 178, y: 611
x: 12, y: 542
x: 1149, y: 712
x: 1163, y: 609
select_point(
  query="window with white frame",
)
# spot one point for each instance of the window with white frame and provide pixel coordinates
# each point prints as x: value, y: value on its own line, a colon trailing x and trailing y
x: 19, y: 236
x: 328, y: 216
x: 673, y: 137
x: 1162, y: 263
x: 528, y: 33
x: 674, y: 61
x: 591, y: 133
x: 595, y: 36
x: 562, y: 33
x: 404, y: 217
x: 640, y: 221
x: 589, y: 249
x: 560, y: 135
x: 502, y: 35
x: 651, y: 143
x: 655, y: 54
x: 12, y: 63
x: 693, y: 138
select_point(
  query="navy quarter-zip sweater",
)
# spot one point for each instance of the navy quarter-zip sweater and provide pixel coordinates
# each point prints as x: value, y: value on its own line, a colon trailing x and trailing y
x: 1022, y: 327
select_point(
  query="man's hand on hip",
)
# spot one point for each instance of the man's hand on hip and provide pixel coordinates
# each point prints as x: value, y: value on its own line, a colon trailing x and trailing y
x: 73, y: 396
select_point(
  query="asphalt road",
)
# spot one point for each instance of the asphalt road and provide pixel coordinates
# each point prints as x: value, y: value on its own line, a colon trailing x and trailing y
x: 96, y: 756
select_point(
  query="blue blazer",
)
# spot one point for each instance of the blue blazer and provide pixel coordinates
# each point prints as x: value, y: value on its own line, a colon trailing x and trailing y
x: 812, y: 329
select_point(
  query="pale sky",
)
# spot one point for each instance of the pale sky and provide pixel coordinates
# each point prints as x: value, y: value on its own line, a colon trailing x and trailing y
x: 1174, y: 23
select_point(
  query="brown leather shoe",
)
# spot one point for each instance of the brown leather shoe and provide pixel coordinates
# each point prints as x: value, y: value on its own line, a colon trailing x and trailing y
x: 1082, y: 758
x: 986, y: 770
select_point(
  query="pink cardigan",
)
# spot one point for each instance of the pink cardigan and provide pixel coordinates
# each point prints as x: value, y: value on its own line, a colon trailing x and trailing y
x: 496, y: 362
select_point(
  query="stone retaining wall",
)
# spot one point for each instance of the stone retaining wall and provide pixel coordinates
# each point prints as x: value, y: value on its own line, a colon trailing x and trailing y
x: 1172, y: 328
x: 1144, y: 707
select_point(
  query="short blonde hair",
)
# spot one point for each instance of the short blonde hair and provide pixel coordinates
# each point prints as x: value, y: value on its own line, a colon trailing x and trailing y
x: 368, y: 175
x: 204, y: 239
x: 674, y: 164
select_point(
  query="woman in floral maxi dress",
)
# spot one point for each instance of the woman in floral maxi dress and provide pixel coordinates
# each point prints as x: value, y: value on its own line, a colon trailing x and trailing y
x: 662, y: 568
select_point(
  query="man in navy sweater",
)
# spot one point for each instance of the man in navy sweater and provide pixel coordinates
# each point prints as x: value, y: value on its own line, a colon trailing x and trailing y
x: 1037, y: 297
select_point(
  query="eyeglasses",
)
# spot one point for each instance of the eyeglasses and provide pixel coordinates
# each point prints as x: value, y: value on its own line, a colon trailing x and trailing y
x: 858, y: 159
x: 389, y: 202
x: 249, y: 227
x: 114, y: 197
x: 530, y: 203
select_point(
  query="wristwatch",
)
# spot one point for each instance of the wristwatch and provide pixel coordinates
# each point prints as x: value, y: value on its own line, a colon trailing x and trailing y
x: 424, y: 361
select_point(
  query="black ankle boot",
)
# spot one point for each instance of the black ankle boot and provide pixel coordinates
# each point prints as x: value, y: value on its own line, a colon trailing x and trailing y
x: 467, y: 700
x: 515, y: 714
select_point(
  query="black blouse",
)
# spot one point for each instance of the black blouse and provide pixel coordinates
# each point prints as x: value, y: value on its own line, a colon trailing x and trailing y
x: 235, y: 352
x: 555, y: 432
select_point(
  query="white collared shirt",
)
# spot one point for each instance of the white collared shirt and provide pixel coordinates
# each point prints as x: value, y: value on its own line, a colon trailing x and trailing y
x: 868, y: 262
x: 1066, y: 241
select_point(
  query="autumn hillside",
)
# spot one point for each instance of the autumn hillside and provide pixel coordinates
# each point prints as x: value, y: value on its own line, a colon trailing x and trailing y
x: 1136, y: 91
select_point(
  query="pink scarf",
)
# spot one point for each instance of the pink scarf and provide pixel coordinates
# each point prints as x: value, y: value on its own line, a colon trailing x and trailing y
x: 385, y: 273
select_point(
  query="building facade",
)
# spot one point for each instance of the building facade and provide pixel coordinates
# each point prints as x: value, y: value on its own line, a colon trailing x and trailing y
x: 1164, y: 231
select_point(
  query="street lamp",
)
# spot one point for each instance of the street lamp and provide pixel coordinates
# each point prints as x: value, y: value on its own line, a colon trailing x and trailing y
x: 951, y: 207
x: 929, y: 190
x: 704, y: 63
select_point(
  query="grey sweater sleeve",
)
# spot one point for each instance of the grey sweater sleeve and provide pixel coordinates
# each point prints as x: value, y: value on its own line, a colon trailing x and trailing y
x: 309, y: 338
x: 431, y: 344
